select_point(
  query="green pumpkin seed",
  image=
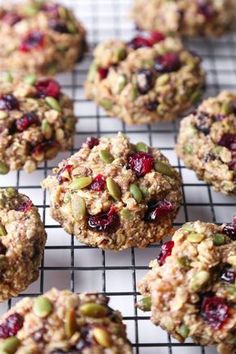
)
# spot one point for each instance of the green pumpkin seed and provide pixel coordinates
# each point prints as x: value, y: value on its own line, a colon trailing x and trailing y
x: 3, y: 115
x: 70, y: 323
x: 164, y: 169
x: 42, y: 307
x: 141, y: 147
x: 183, y: 330
x: 231, y: 290
x: 126, y: 214
x: 187, y: 227
x: 136, y: 192
x: 106, y: 156
x: 144, y: 191
x: 8, y: 77
x: 199, y: 280
x: 196, y: 97
x: 184, y: 262
x: 102, y: 337
x: 121, y: 83
x: 31, y: 10
x: 162, y: 80
x: 218, y: 239
x: 3, y: 231
x: 53, y: 103
x: 120, y: 53
x: 226, y: 108
x: 72, y: 27
x: 80, y: 182
x: 106, y: 104
x: 4, y: 169
x: 78, y: 206
x: 92, y: 72
x: 113, y: 188
x: 188, y: 149
x: 10, y: 345
x: 145, y: 303
x: 46, y: 129
x: 10, y: 192
x: 91, y: 309
x: 30, y: 79
x: 195, y: 238
x: 134, y: 93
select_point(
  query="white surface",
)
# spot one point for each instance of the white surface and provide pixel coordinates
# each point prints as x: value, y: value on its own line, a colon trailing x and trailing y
x: 106, y: 19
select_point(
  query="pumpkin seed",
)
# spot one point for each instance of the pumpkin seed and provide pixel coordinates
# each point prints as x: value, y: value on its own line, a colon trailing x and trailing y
x: 92, y: 72
x: 102, y: 337
x: 31, y: 10
x: 136, y: 192
x: 126, y: 214
x: 218, y: 239
x: 141, y: 147
x: 162, y: 80
x: 184, y: 262
x: 113, y: 188
x: 183, y: 330
x: 121, y: 83
x: 8, y: 77
x: 164, y: 169
x: 195, y: 238
x: 70, y: 322
x: 226, y: 108
x: 106, y: 156
x: 80, y: 182
x: 91, y: 309
x: 232, y: 260
x: 144, y: 191
x: 3, y: 231
x: 106, y: 104
x: 3, y: 115
x: 53, y: 103
x: 4, y: 169
x: 72, y: 27
x: 196, y: 96
x: 10, y: 192
x: 42, y: 307
x: 120, y: 53
x: 78, y: 207
x: 52, y: 152
x: 145, y: 303
x: 187, y: 227
x: 30, y: 79
x: 199, y: 280
x: 10, y: 345
x: 46, y: 129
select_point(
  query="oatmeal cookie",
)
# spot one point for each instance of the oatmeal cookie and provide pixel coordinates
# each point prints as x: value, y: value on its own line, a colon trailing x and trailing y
x: 22, y: 241
x: 63, y: 322
x: 114, y: 195
x: 39, y: 36
x: 207, y: 142
x: 191, y: 287
x: 36, y: 122
x: 185, y: 17
x: 148, y: 79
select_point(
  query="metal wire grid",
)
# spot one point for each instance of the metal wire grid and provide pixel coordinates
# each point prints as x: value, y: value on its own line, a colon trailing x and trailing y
x: 69, y: 264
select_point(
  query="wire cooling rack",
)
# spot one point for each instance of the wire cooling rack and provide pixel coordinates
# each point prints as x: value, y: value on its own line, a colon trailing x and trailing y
x: 69, y: 264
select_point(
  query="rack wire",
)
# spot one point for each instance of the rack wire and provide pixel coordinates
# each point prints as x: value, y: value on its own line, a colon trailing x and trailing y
x: 69, y: 264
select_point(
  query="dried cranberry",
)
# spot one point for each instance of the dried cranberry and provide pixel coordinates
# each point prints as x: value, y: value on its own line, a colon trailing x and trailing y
x: 157, y: 210
x: 215, y: 311
x: 104, y: 222
x: 230, y: 230
x: 145, y: 80
x: 151, y: 106
x: 84, y: 341
x: 156, y: 37
x: 166, y: 250
x: 48, y: 87
x: 58, y: 26
x: 8, y: 102
x: 167, y: 63
x: 141, y: 162
x: 228, y: 140
x: 11, y: 18
x: 92, y: 141
x: 33, y: 40
x: 228, y: 276
x: 103, y: 72
x: 26, y: 121
x: 11, y: 326
x: 203, y: 123
x: 68, y: 169
x: 25, y: 205
x: 139, y: 42
x: 3, y: 249
x: 98, y: 183
x: 205, y: 9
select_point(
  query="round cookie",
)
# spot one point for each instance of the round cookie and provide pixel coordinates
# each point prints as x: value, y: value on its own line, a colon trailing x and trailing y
x: 191, y: 287
x: 40, y: 36
x: 207, y: 142
x: 189, y: 18
x: 146, y: 80
x: 22, y: 241
x: 36, y: 122
x: 114, y: 195
x: 61, y: 322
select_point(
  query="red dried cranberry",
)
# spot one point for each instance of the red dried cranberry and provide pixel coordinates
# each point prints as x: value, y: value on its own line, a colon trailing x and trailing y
x: 58, y: 26
x: 167, y: 63
x: 3, y: 249
x: 48, y: 87
x: 228, y: 140
x: 26, y: 121
x: 92, y: 141
x: 151, y: 106
x: 103, y: 72
x: 11, y: 18
x: 8, y: 102
x: 215, y: 311
x: 33, y: 40
x: 98, y: 183
x: 145, y: 80
x: 105, y: 222
x: 166, y: 250
x: 230, y: 230
x: 141, y: 162
x: 156, y: 37
x: 228, y: 276
x: 68, y: 169
x: 25, y: 205
x: 157, y: 210
x: 205, y: 9
x: 11, y: 326
x: 139, y: 42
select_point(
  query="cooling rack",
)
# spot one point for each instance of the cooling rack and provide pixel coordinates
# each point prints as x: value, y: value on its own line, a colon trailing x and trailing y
x: 69, y: 264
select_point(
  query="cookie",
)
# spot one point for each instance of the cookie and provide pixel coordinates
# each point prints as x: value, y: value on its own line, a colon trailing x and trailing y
x: 36, y: 122
x: 114, y: 195
x: 61, y: 322
x: 191, y: 287
x: 189, y: 18
x: 207, y: 142
x: 40, y: 36
x: 146, y: 80
x: 22, y: 241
